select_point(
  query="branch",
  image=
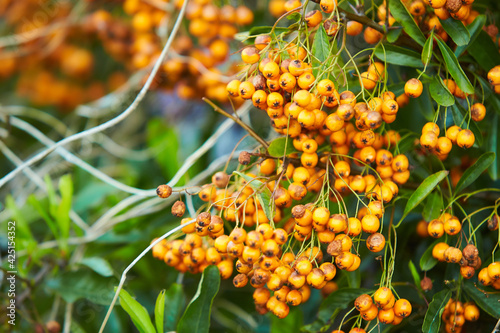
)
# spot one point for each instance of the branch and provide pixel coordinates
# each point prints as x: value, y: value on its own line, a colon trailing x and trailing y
x: 238, y: 121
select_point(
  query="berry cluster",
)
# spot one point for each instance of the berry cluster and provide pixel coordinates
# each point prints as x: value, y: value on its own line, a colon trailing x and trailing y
x: 456, y: 313
x: 383, y: 306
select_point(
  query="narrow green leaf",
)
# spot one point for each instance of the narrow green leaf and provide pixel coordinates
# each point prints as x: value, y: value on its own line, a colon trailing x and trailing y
x: 264, y: 195
x: 196, y: 318
x: 433, y: 206
x: 490, y: 302
x: 98, y: 265
x: 454, y: 68
x: 494, y: 146
x: 428, y: 47
x: 423, y: 191
x: 484, y: 51
x: 137, y: 313
x: 394, y: 33
x: 277, y: 147
x: 414, y: 273
x: 290, y: 324
x: 474, y: 29
x: 432, y: 319
x: 321, y: 45
x: 33, y: 201
x: 403, y: 16
x: 475, y: 170
x: 260, y: 30
x: 458, y: 113
x: 427, y: 261
x: 456, y: 30
x: 440, y: 93
x: 397, y: 55
x: 160, y: 311
x: 176, y: 301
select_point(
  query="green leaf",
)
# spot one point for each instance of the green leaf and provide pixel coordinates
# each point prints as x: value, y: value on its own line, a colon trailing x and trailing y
x: 277, y: 147
x: 403, y: 16
x: 257, y: 30
x: 160, y: 311
x: 423, y: 191
x: 489, y: 302
x: 484, y: 51
x: 176, y: 301
x: 494, y: 146
x: 475, y: 170
x: 196, y: 318
x: 428, y: 47
x: 98, y: 265
x: 394, y: 33
x: 456, y: 30
x: 432, y: 319
x: 427, y: 261
x: 33, y: 201
x: 397, y: 55
x: 433, y: 207
x: 414, y: 273
x: 338, y: 300
x: 137, y: 313
x: 440, y: 93
x: 458, y: 113
x: 22, y: 228
x: 321, y: 45
x: 290, y: 324
x: 90, y: 196
x: 162, y: 139
x: 83, y: 283
x: 454, y: 68
x: 264, y: 195
x: 474, y: 29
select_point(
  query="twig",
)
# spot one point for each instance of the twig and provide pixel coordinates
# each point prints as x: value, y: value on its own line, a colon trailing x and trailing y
x: 238, y: 121
x: 67, y: 317
x: 129, y: 267
x: 112, y: 122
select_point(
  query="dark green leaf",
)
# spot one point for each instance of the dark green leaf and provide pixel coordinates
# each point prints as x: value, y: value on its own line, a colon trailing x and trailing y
x: 489, y: 302
x: 423, y: 191
x: 407, y: 143
x: 403, y: 16
x: 339, y: 299
x: 433, y: 206
x: 394, y: 33
x: 484, y: 51
x: 494, y: 146
x: 196, y: 318
x: 37, y: 204
x: 264, y: 195
x: 428, y: 47
x: 475, y: 170
x: 79, y: 284
x: 427, y: 261
x: 175, y: 301
x: 398, y: 56
x: 98, y: 265
x: 474, y: 29
x: 257, y: 30
x: 440, y: 93
x: 414, y: 273
x: 456, y: 30
x: 137, y: 313
x: 160, y: 311
x: 277, y: 147
x: 432, y: 319
x: 458, y: 113
x: 321, y: 45
x: 290, y: 324
x: 453, y: 66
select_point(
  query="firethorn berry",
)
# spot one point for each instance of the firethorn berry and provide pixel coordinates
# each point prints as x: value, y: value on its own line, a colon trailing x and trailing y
x: 429, y: 140
x: 465, y: 138
x: 400, y: 163
x: 250, y: 55
x: 431, y: 127
x: 370, y: 223
x: 471, y: 311
x: 313, y: 18
x: 413, y: 88
x: 470, y: 252
x: 246, y: 90
x: 494, y: 270
x: 438, y: 251
x: 328, y: 6
x: 478, y: 112
x: 452, y: 226
x: 436, y: 228
x: 368, y: 80
x: 443, y: 145
x: 375, y: 242
x: 345, y: 260
x: 370, y: 314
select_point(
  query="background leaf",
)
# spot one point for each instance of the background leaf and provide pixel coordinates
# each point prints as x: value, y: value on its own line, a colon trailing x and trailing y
x: 456, y: 30
x: 160, y: 311
x: 427, y: 261
x: 264, y: 195
x: 414, y: 273
x: 175, y: 301
x: 453, y: 67
x: 494, y: 146
x: 433, y: 206
x: 196, y: 318
x: 489, y: 302
x: 137, y: 313
x: 428, y: 47
x: 98, y: 265
x: 277, y: 147
x: 423, y: 191
x: 474, y: 29
x: 403, y: 16
x: 432, y: 319
x: 475, y: 170
x: 484, y: 51
x: 290, y: 324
